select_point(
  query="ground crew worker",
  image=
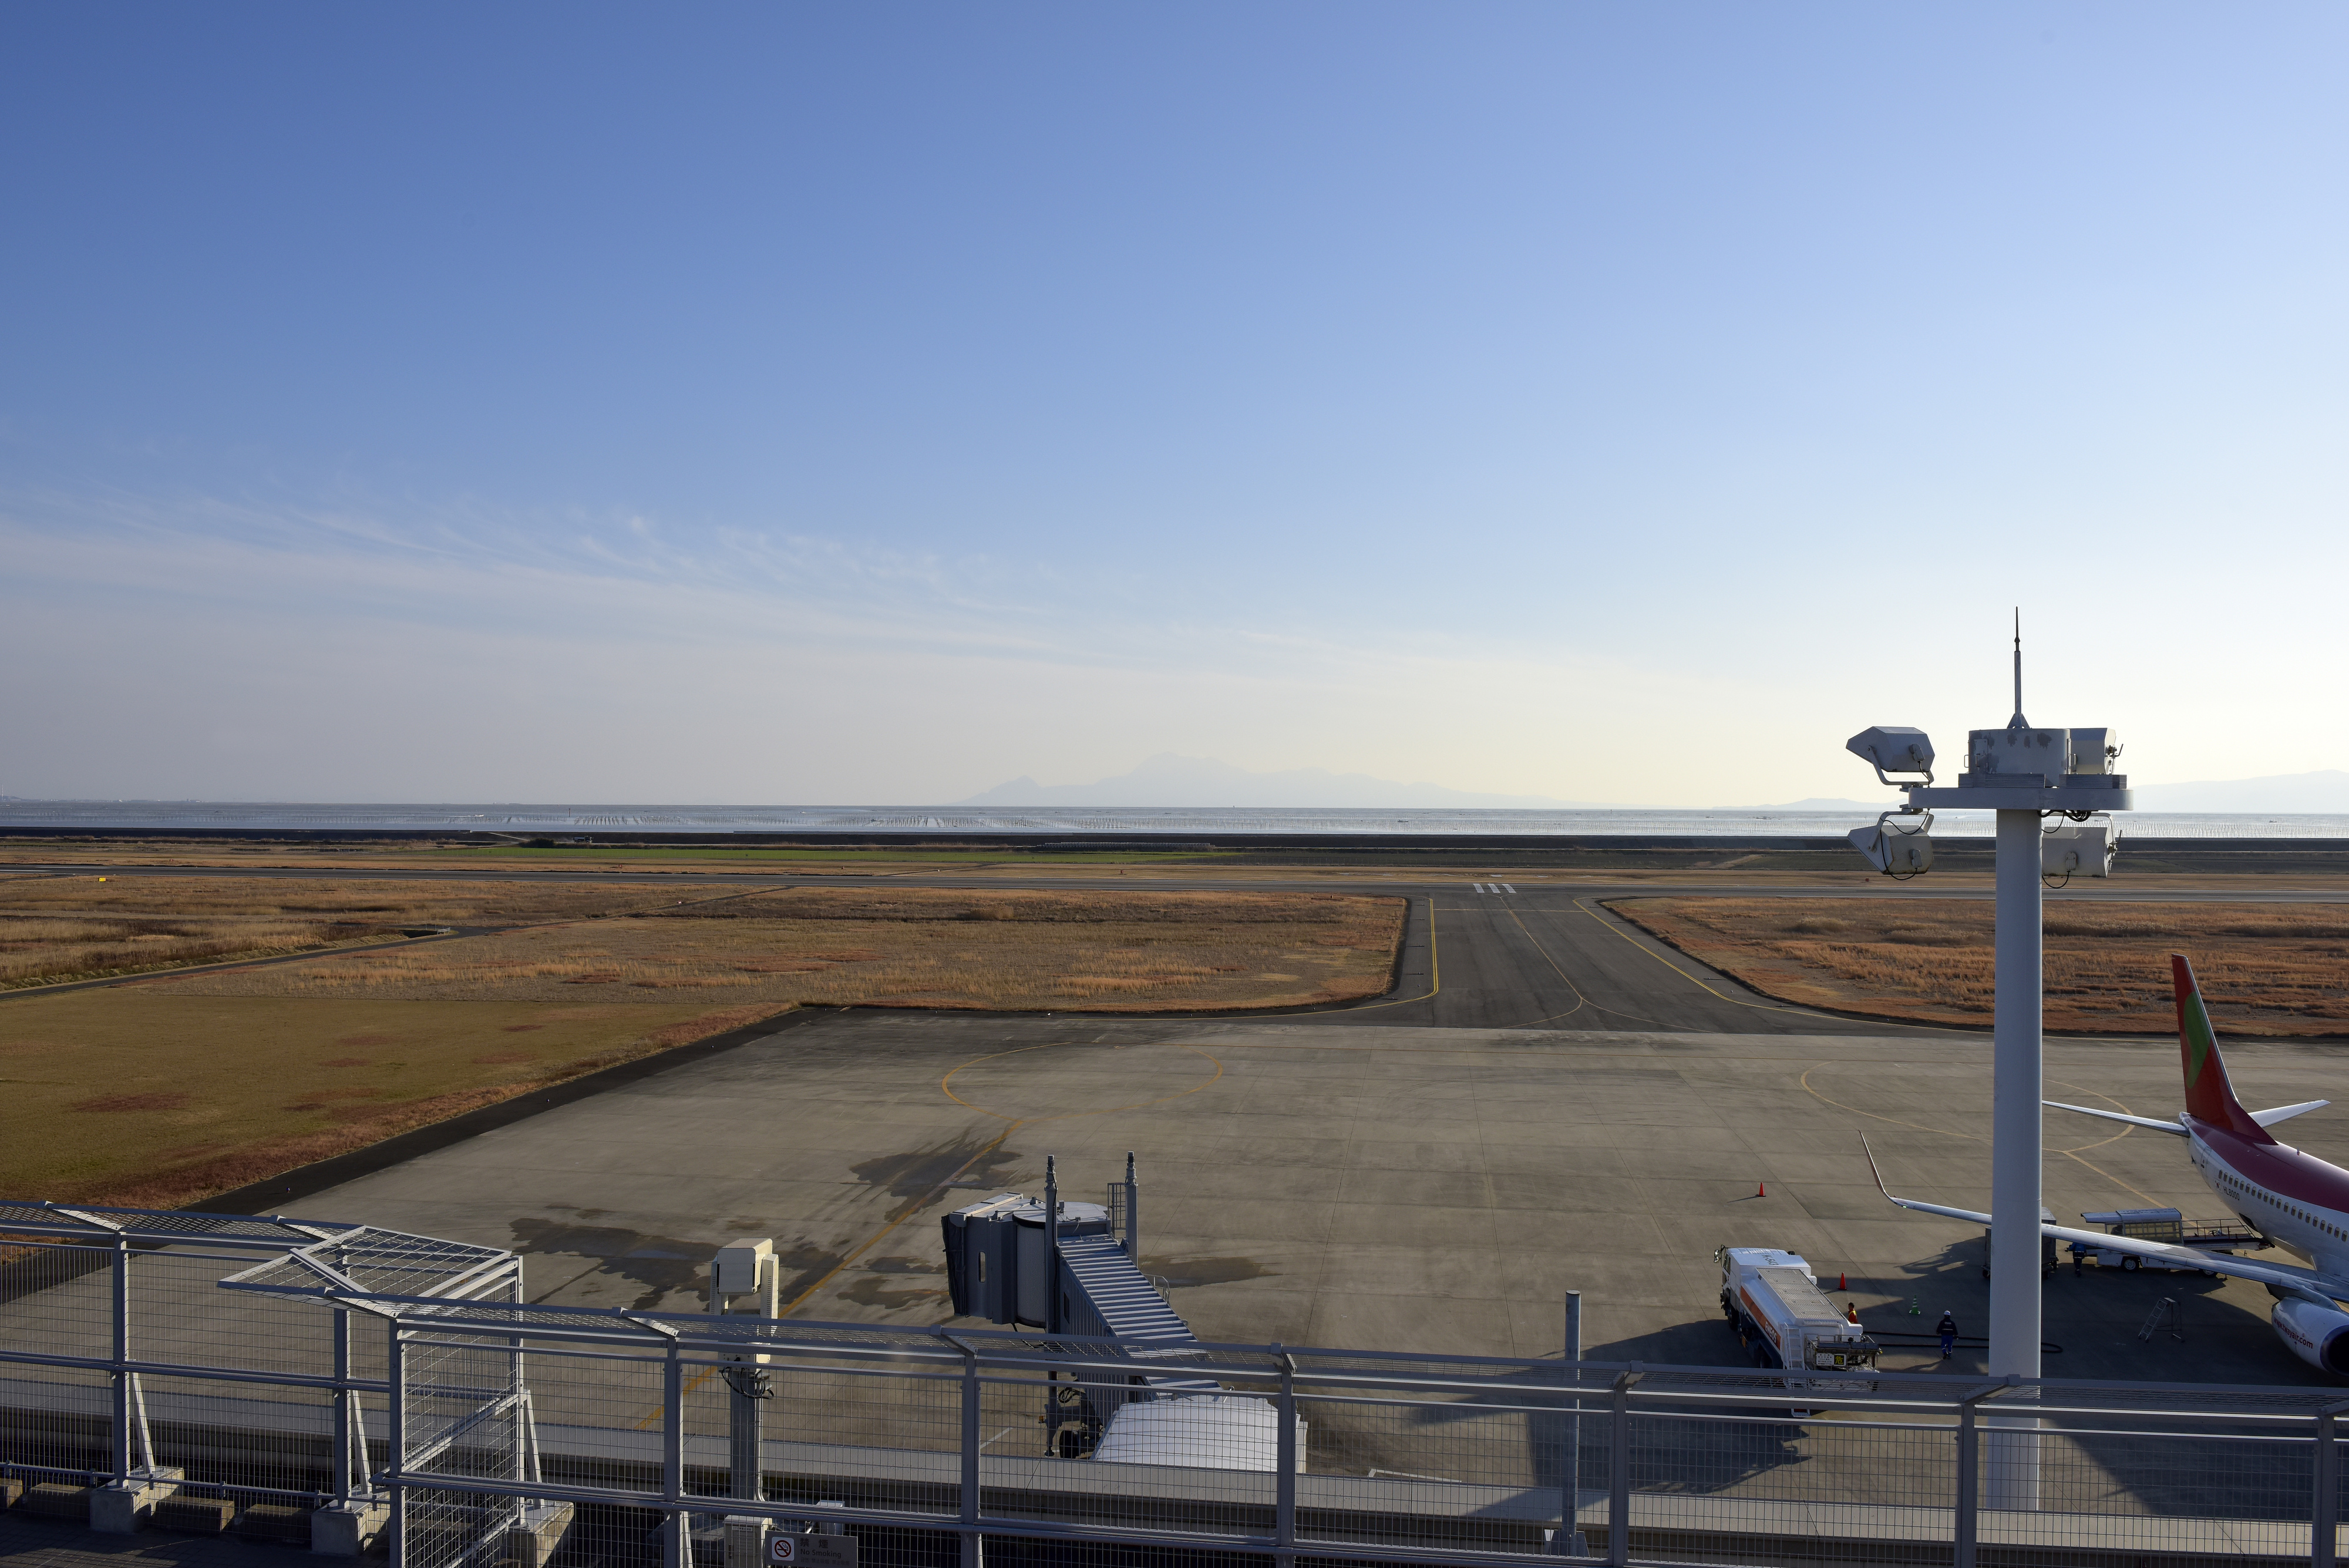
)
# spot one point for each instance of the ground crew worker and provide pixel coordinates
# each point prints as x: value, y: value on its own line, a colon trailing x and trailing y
x: 1851, y: 1312
x: 1948, y: 1329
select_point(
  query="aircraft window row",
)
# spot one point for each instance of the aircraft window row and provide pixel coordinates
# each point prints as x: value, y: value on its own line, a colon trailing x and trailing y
x: 2328, y: 1227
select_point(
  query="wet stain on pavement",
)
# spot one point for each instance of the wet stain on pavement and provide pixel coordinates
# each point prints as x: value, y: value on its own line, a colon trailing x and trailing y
x: 915, y: 1175
x: 904, y: 1266
x: 661, y: 1264
x: 1180, y: 1273
x: 879, y: 1291
x: 802, y: 1264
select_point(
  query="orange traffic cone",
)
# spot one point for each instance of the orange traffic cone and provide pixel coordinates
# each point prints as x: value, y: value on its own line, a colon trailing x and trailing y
x: 1840, y: 1283
x: 1761, y: 1189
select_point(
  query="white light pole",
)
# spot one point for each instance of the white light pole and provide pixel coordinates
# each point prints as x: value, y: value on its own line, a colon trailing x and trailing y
x: 2024, y: 774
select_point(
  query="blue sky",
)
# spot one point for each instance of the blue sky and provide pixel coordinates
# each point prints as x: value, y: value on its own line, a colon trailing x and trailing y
x: 873, y: 403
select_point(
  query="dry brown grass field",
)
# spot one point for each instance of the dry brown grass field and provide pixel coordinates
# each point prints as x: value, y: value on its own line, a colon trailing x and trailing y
x: 1105, y: 951
x: 490, y: 861
x: 56, y: 928
x: 155, y: 1099
x: 167, y: 1088
x: 2278, y: 969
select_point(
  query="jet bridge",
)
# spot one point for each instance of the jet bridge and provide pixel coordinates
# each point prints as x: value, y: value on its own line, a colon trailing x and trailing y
x: 1074, y: 1269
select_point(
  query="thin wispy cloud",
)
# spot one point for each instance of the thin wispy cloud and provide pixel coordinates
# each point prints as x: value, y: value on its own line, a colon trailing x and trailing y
x: 426, y: 626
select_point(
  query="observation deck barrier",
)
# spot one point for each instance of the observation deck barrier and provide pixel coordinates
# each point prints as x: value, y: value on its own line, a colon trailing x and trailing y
x: 398, y: 1395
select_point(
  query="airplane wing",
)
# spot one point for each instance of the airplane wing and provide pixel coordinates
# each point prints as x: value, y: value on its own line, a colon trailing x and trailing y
x: 2265, y: 1118
x: 2172, y: 1128
x: 2288, y: 1277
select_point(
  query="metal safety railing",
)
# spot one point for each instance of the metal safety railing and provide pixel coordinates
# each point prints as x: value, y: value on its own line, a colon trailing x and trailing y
x: 129, y: 1381
x: 457, y: 1427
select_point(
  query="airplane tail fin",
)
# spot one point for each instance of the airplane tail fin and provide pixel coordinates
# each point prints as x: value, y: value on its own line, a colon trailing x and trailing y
x: 2209, y: 1096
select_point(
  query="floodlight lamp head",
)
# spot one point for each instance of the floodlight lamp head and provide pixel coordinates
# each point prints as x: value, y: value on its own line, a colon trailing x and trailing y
x: 1894, y: 748
x: 2083, y: 847
x: 1901, y: 844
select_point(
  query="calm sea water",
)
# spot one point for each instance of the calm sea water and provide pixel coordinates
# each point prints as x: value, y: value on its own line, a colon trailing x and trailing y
x: 1135, y: 821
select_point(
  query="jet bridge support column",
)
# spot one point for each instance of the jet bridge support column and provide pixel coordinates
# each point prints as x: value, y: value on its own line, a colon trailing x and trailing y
x: 1132, y: 1213
x: 2014, y: 1196
x: 741, y: 1270
x: 1284, y: 1462
x: 1052, y: 1245
x: 1569, y: 1540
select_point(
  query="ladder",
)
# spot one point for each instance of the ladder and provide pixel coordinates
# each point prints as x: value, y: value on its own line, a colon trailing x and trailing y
x: 2165, y: 1306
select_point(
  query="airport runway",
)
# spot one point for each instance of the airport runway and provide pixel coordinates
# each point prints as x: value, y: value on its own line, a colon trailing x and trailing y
x: 1476, y: 959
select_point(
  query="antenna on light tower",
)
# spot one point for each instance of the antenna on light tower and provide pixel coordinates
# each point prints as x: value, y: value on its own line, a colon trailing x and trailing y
x: 2018, y: 722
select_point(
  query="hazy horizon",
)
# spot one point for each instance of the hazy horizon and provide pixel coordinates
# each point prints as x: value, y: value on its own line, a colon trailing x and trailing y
x: 1169, y: 781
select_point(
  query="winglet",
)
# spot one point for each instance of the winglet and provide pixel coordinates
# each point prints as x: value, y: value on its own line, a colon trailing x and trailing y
x: 1911, y: 1203
x: 1873, y: 1171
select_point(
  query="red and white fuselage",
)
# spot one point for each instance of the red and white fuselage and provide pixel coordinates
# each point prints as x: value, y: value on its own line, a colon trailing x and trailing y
x: 2288, y: 1195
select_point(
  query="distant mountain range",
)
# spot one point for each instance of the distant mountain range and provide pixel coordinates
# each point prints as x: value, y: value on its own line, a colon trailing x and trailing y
x: 2324, y: 792
x: 1205, y: 784
x: 1195, y: 782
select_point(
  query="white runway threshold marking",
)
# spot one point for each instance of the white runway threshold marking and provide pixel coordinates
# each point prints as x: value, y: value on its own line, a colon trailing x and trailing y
x: 1495, y: 888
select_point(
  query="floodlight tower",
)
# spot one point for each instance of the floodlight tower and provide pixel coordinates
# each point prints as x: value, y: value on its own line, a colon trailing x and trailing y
x: 2026, y: 775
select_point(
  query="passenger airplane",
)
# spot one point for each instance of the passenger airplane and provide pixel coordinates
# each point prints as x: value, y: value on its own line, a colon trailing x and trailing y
x: 2291, y: 1198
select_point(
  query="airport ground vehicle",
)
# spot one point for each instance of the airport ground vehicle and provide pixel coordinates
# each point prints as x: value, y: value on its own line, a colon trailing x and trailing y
x: 2165, y: 1225
x: 1783, y: 1319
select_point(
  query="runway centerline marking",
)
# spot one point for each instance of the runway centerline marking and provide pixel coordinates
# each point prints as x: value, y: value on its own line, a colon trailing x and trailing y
x: 1579, y: 999
x: 1738, y: 1001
